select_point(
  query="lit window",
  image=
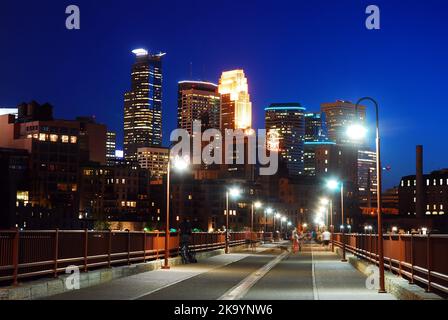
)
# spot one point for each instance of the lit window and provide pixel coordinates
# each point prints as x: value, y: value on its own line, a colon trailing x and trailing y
x: 427, y: 182
x: 64, y: 139
x: 190, y: 197
x: 441, y: 207
x: 73, y: 139
x: 22, y: 196
x: 441, y: 182
x: 53, y: 137
x: 41, y: 136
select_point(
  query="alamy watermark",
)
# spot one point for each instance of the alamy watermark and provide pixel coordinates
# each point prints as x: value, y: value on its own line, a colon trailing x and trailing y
x: 373, y: 20
x: 373, y: 280
x: 73, y: 21
x: 72, y: 281
x: 235, y: 147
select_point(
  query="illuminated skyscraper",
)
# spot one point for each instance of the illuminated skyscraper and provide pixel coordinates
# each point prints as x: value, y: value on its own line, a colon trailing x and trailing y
x: 198, y: 100
x: 339, y: 116
x: 367, y: 183
x: 143, y: 104
x: 236, y: 108
x: 111, y: 143
x: 288, y: 120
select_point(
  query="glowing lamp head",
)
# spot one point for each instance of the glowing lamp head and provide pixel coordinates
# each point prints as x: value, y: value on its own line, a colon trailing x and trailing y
x: 356, y: 132
x: 284, y: 219
x: 324, y: 201
x: 257, y: 205
x: 269, y: 210
x: 181, y: 163
x: 332, y: 184
x: 278, y: 215
x: 289, y: 223
x: 234, y: 192
x: 304, y: 225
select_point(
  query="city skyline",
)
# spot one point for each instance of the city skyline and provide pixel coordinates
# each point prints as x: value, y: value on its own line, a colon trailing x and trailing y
x: 98, y: 84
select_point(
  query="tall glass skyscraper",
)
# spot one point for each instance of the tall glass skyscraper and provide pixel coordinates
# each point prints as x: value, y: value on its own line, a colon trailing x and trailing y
x: 339, y: 116
x: 143, y: 104
x: 198, y: 100
x: 288, y: 121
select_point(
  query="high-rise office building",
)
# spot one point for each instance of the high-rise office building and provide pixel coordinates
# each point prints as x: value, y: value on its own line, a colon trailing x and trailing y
x: 143, y: 104
x: 236, y: 114
x: 288, y: 121
x: 155, y: 160
x: 315, y: 127
x: 316, y: 135
x: 309, y: 161
x: 236, y: 107
x: 367, y: 183
x: 339, y: 116
x: 198, y: 100
x: 111, y: 146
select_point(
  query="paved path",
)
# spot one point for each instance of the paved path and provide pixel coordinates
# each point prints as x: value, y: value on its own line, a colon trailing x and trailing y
x: 267, y: 274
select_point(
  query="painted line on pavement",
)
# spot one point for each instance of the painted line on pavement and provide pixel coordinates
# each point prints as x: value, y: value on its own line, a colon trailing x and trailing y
x: 241, y: 289
x: 188, y: 277
x: 313, y: 272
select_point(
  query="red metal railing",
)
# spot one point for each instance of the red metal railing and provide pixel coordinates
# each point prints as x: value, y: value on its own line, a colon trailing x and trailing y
x: 28, y: 254
x: 422, y: 259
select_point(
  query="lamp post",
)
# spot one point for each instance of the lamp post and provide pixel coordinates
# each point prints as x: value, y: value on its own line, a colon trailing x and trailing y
x: 255, y: 205
x: 358, y: 131
x: 267, y: 212
x: 180, y: 164
x: 333, y: 184
x: 233, y: 192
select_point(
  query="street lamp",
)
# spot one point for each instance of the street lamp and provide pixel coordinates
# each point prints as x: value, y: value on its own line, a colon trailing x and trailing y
x: 255, y: 205
x: 333, y: 185
x: 179, y: 164
x: 358, y: 132
x: 267, y: 212
x: 233, y: 193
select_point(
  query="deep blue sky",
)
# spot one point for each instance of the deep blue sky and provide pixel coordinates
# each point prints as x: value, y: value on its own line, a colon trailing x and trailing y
x: 306, y: 51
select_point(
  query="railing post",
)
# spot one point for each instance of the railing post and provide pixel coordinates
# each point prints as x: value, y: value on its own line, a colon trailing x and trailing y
x: 412, y: 259
x: 129, y: 247
x: 157, y: 245
x: 428, y: 260
x: 15, y: 257
x: 144, y: 245
x: 56, y: 252
x: 109, y: 249
x: 86, y: 240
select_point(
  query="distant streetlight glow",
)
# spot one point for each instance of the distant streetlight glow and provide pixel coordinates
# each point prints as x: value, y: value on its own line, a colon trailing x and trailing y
x: 234, y: 192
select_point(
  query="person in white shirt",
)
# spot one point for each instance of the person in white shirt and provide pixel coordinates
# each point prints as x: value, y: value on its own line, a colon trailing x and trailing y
x: 326, y: 237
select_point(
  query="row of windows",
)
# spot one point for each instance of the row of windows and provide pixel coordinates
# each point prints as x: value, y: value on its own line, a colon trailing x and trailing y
x: 429, y: 182
x: 53, y: 137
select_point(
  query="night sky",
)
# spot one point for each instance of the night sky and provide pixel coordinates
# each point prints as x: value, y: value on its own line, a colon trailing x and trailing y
x: 305, y: 51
